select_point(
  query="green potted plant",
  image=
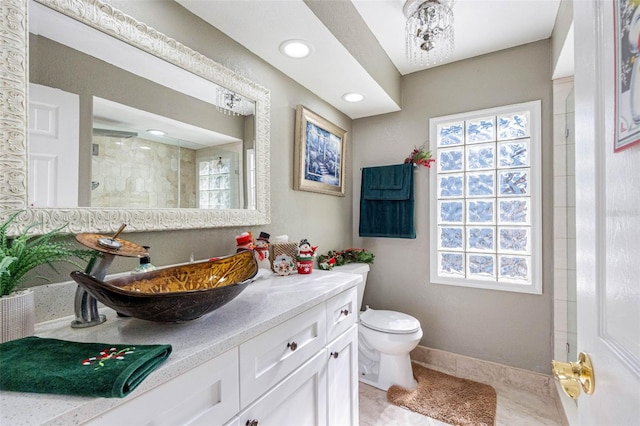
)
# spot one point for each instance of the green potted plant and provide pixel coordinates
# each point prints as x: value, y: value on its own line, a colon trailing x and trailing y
x: 18, y: 256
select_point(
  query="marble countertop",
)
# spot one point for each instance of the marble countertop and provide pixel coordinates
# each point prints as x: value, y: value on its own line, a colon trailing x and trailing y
x: 263, y: 305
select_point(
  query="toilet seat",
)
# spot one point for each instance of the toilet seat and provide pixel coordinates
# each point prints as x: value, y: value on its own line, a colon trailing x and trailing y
x: 389, y: 321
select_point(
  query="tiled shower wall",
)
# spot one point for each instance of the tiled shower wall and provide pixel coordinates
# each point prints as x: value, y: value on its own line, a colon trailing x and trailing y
x: 140, y: 173
x: 564, y: 223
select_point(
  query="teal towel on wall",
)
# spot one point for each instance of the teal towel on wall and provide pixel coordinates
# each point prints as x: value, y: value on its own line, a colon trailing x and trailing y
x: 387, y: 202
x: 40, y: 365
x: 387, y: 183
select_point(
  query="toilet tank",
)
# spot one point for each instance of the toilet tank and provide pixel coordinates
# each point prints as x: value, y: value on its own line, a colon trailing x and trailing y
x: 356, y: 268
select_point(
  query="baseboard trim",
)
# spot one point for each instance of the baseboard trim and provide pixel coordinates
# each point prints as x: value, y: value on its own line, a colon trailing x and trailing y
x: 484, y: 371
x: 491, y: 373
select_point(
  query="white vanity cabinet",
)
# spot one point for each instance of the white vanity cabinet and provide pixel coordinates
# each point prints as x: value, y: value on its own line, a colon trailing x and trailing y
x: 324, y: 390
x: 284, y: 353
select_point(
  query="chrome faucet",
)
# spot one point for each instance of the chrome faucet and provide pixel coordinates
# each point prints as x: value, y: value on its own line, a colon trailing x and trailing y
x: 85, y: 305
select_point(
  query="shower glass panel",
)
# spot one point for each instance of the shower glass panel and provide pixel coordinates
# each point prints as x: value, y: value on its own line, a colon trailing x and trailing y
x: 571, y: 230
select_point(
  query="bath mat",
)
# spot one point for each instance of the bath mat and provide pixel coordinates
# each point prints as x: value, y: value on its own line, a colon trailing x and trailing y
x: 446, y: 398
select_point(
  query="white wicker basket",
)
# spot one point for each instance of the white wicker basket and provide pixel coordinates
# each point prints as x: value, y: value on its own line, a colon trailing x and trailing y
x: 17, y: 315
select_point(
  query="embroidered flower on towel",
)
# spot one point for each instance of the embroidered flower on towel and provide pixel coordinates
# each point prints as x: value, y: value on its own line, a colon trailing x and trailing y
x: 107, y: 354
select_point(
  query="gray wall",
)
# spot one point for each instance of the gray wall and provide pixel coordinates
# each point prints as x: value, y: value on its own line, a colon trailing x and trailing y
x: 509, y: 328
x: 324, y: 219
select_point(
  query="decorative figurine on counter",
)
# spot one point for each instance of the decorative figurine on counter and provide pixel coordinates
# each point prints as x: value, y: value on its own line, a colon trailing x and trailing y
x: 261, y: 251
x: 283, y: 265
x: 305, y: 250
x: 244, y: 242
x: 306, y: 253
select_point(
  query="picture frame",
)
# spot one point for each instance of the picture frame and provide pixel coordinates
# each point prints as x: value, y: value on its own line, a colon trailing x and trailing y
x: 627, y: 83
x: 319, y: 154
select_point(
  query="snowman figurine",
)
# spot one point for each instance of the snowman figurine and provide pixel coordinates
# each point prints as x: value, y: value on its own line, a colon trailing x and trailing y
x: 261, y: 251
x: 244, y: 242
x: 306, y: 253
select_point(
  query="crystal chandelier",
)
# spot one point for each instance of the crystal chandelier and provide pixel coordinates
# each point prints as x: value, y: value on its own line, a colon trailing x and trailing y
x: 429, y: 30
x: 228, y: 102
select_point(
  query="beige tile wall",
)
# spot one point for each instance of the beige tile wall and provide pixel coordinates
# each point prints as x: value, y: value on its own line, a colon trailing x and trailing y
x: 130, y: 176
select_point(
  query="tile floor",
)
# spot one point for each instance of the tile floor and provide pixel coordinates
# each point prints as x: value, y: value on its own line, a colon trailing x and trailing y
x: 515, y: 407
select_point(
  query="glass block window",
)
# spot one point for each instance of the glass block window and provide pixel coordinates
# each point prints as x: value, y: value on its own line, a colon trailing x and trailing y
x: 214, y: 187
x: 485, y: 199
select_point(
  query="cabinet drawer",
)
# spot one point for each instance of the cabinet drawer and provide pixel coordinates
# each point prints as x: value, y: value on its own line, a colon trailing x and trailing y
x: 207, y: 394
x: 342, y: 312
x: 272, y: 355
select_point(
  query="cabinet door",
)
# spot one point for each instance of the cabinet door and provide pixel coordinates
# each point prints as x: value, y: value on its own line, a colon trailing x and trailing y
x: 300, y: 399
x: 342, y: 379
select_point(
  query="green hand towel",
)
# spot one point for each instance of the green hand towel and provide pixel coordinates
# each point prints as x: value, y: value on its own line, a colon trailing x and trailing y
x: 387, y: 202
x: 40, y: 365
x: 387, y: 182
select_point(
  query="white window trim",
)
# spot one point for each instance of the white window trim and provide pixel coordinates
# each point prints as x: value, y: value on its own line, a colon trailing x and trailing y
x: 251, y: 179
x: 535, y: 287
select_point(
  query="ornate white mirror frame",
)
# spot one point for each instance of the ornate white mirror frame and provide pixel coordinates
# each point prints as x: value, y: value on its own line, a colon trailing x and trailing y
x: 14, y: 76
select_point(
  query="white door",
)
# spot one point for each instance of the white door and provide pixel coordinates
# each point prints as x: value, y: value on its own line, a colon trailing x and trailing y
x: 53, y: 147
x: 608, y: 229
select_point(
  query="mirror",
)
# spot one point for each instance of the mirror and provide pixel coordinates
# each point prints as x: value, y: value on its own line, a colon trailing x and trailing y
x: 220, y: 177
x: 134, y: 164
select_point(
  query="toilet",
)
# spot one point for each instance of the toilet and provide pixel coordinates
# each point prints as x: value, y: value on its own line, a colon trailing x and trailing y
x: 385, y: 339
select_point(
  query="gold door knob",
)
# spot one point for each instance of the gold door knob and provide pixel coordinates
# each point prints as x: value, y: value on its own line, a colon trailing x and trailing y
x: 575, y: 375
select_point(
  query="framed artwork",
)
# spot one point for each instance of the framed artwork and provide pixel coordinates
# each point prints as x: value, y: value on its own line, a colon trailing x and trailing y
x: 319, y: 163
x: 627, y: 69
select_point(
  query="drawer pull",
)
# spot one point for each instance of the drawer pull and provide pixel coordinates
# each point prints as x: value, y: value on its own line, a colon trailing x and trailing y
x: 293, y: 346
x: 345, y: 312
x: 333, y: 354
x: 251, y: 423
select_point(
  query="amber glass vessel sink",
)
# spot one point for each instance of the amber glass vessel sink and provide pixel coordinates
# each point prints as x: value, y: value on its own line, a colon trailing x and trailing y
x: 175, y: 294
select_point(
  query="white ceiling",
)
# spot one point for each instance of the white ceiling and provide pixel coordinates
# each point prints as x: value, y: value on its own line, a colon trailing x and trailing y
x: 114, y: 116
x: 481, y: 26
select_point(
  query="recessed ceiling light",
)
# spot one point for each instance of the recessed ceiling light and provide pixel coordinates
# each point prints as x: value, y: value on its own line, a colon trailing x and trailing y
x: 145, y: 147
x: 352, y: 97
x: 156, y: 132
x: 297, y: 49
